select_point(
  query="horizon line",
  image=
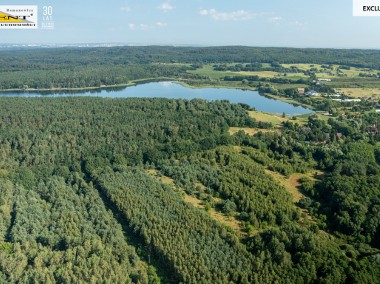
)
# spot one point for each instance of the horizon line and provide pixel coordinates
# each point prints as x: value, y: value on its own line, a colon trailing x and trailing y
x: 116, y: 44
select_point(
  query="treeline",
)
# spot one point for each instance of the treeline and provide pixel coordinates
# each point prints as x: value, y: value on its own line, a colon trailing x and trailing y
x: 349, y: 194
x: 251, y: 67
x: 94, y: 67
x: 31, y: 58
x: 78, y: 76
x: 278, y: 80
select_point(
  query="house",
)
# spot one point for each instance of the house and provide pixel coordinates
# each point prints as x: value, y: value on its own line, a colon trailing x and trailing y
x: 312, y: 93
x: 301, y: 91
x: 377, y: 110
x: 324, y: 80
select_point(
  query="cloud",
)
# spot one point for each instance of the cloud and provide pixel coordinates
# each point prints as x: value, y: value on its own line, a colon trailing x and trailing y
x: 166, y: 7
x: 298, y: 24
x: 125, y: 9
x: 132, y: 26
x: 240, y: 15
x: 145, y: 27
x: 274, y: 19
x: 161, y: 24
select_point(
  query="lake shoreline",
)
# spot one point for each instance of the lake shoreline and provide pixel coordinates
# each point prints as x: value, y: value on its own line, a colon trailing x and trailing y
x: 174, y: 89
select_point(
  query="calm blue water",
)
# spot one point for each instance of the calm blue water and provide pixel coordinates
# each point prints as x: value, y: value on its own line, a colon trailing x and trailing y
x: 175, y: 91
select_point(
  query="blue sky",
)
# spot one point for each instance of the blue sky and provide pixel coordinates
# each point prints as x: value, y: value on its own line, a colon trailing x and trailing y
x: 294, y: 23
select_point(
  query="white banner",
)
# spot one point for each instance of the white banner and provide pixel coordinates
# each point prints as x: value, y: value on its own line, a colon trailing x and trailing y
x: 368, y: 8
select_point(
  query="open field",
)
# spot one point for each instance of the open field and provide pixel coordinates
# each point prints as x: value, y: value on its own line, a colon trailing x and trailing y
x: 324, y: 73
x: 208, y: 71
x: 354, y: 82
x: 249, y: 131
x: 291, y: 184
x: 276, y: 120
x: 360, y: 92
x: 347, y: 81
x: 272, y: 74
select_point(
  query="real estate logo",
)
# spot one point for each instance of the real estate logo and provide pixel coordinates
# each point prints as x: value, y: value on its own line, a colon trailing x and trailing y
x: 47, y: 18
x: 18, y: 17
x: 368, y: 8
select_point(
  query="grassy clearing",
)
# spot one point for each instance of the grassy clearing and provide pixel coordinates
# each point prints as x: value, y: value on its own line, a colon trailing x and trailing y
x: 354, y: 82
x: 263, y: 74
x: 292, y: 183
x: 163, y: 179
x: 249, y: 131
x: 343, y: 78
x: 277, y: 119
x: 360, y: 92
x: 353, y: 72
x: 208, y: 71
x: 231, y: 222
x: 288, y: 86
x: 267, y: 117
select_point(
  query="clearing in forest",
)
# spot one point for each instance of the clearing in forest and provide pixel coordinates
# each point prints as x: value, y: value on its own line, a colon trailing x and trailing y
x: 228, y: 221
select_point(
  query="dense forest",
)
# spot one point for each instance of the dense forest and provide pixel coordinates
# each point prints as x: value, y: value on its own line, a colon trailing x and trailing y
x: 192, y: 55
x: 49, y: 68
x: 79, y: 203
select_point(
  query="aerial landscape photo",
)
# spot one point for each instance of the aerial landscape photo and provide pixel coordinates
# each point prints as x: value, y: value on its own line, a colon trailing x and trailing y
x: 197, y: 141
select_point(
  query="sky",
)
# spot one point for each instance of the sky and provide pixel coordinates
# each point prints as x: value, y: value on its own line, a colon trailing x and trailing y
x: 290, y: 23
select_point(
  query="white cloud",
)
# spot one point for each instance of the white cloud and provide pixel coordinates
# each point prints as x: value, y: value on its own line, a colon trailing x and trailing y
x: 204, y: 12
x: 132, y: 26
x: 274, y: 19
x: 240, y: 15
x: 299, y: 24
x: 145, y: 27
x: 125, y: 9
x: 166, y: 7
x: 161, y: 24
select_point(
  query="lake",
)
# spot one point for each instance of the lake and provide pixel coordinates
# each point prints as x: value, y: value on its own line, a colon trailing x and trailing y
x: 173, y: 90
